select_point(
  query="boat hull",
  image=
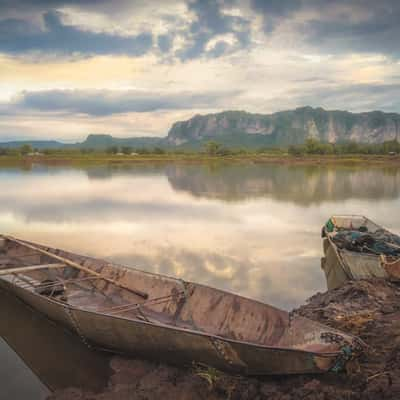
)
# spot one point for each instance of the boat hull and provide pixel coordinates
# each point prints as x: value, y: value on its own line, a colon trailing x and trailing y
x: 140, y: 339
x: 341, y: 265
x: 180, y: 346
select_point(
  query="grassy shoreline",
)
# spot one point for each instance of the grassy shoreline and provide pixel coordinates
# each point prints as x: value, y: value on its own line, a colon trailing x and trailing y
x: 200, y: 158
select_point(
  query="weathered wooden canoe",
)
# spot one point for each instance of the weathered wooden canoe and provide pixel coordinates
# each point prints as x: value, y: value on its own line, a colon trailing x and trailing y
x: 125, y: 310
x: 357, y: 248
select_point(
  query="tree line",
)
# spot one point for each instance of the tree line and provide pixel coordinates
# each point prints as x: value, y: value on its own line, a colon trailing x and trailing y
x: 313, y: 146
x: 213, y: 148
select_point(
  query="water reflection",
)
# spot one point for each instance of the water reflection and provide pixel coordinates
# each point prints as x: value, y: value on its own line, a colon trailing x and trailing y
x: 39, y: 357
x: 303, y: 185
x: 251, y: 229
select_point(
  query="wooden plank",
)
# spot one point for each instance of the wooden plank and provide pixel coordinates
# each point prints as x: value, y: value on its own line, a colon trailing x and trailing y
x: 28, y: 268
x: 15, y: 259
x: 8, y: 259
x: 26, y: 280
x: 77, y: 266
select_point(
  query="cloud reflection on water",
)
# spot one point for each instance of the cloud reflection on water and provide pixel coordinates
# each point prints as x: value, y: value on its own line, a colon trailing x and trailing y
x: 251, y: 229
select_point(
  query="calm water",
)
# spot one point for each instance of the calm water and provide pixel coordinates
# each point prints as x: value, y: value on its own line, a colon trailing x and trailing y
x: 247, y: 228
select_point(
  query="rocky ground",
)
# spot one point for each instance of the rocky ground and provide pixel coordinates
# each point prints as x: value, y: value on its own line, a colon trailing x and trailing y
x: 369, y: 309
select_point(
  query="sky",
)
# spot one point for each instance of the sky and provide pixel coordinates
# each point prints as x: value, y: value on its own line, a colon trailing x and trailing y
x: 69, y: 68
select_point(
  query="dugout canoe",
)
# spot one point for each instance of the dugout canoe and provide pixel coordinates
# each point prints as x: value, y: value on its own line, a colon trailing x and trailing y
x: 364, y: 250
x: 125, y: 310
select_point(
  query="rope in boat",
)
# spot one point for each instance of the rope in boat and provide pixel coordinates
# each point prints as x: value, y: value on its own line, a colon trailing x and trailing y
x: 76, y: 265
x: 131, y: 306
x: 75, y: 324
x: 60, y: 282
x: 110, y: 310
x: 134, y: 307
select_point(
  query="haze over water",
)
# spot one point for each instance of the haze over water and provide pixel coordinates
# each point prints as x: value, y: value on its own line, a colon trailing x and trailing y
x: 247, y: 228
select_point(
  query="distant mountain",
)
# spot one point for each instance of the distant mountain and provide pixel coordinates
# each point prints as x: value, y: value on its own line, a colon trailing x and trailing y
x: 36, y: 144
x: 93, y: 141
x: 103, y: 141
x: 243, y: 129
x: 240, y: 128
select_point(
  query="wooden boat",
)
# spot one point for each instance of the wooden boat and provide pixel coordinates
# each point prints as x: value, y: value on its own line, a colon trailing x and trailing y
x: 355, y: 258
x: 129, y: 311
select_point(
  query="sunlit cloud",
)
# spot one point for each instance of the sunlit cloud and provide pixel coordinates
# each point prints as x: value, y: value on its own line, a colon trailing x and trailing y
x: 69, y: 68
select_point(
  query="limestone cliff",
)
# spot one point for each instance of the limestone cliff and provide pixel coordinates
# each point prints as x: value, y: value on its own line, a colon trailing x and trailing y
x: 287, y: 127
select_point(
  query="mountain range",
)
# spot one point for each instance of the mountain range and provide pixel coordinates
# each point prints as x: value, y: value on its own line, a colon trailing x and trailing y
x: 243, y: 129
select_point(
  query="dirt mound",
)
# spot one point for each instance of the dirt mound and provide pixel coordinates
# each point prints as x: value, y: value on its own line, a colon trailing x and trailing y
x: 369, y: 309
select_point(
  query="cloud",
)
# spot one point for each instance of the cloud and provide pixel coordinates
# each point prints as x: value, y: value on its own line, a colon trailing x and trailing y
x: 376, y: 33
x: 89, y: 28
x: 188, y: 29
x: 108, y: 102
x: 338, y: 26
x: 357, y: 97
x: 18, y: 36
x: 209, y: 22
x: 70, y: 67
x: 165, y: 42
x: 9, y: 6
x: 275, y: 10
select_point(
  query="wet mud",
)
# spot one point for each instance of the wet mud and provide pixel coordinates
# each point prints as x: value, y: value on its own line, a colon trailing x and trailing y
x: 369, y: 309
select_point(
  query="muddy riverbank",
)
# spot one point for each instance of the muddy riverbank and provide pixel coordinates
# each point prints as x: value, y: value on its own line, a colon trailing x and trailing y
x: 369, y: 309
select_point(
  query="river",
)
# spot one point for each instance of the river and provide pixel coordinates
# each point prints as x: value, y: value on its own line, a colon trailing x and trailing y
x: 253, y: 229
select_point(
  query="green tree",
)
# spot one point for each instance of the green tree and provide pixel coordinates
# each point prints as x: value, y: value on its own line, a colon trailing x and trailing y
x: 352, y: 148
x: 86, y: 150
x: 212, y: 148
x: 224, y: 151
x: 48, y: 152
x: 158, y: 150
x: 391, y: 146
x: 127, y: 150
x: 112, y: 150
x: 297, y: 150
x: 312, y: 146
x: 25, y: 149
x: 143, y: 150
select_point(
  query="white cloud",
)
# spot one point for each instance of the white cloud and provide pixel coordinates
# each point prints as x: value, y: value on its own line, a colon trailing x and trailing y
x: 277, y: 70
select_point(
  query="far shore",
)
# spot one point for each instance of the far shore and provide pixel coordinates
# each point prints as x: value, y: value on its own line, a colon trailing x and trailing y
x: 78, y: 159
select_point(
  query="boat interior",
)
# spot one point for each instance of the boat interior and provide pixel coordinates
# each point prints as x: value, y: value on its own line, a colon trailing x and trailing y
x: 102, y: 287
x: 354, y: 222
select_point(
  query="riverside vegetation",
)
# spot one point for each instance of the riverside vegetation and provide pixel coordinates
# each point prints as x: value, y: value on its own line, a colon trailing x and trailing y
x: 312, y: 150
